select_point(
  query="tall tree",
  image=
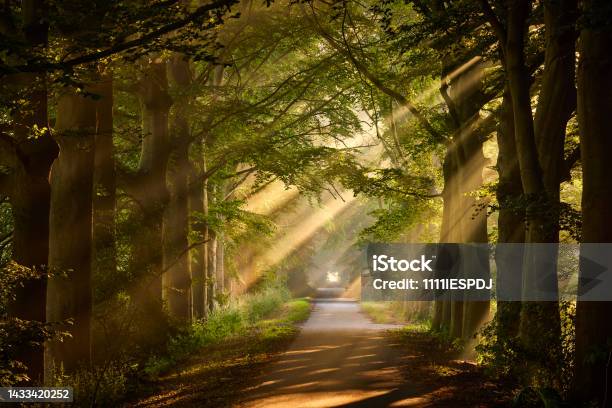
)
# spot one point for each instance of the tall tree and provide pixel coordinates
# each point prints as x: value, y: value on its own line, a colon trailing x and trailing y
x: 176, y: 218
x: 539, y: 168
x: 70, y: 235
x: 148, y: 186
x: 510, y: 223
x: 33, y: 151
x: 593, y: 332
x: 199, y: 255
x: 104, y: 198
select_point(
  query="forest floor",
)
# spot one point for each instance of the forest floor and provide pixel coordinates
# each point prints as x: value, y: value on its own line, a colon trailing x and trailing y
x: 443, y: 377
x: 339, y: 359
x: 446, y: 375
x: 215, y: 376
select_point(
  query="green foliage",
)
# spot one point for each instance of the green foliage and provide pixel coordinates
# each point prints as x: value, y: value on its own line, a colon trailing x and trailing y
x: 263, y: 303
x: 223, y: 323
x: 6, y: 230
x: 15, y: 332
x: 442, y: 341
x: 538, y: 397
x: 503, y: 356
x: 414, y: 314
x: 103, y: 386
x: 229, y: 216
x: 392, y: 222
x: 84, y: 30
x: 276, y: 329
x: 269, y: 312
x: 498, y: 353
x: 298, y: 310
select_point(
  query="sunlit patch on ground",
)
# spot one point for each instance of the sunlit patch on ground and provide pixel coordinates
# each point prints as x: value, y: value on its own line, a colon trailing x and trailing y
x: 216, y: 375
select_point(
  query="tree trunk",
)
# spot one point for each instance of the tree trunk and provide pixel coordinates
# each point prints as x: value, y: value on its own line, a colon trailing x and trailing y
x: 206, y: 234
x: 30, y: 192
x: 149, y: 189
x: 540, y: 153
x: 442, y: 308
x: 198, y: 255
x: 454, y: 315
x: 519, y: 84
x: 510, y: 224
x: 539, y: 324
x: 176, y: 219
x: 211, y: 248
x: 70, y: 235
x: 466, y: 92
x: 466, y: 220
x: 104, y: 198
x: 177, y: 277
x: 593, y: 331
x: 211, y: 270
x: 221, y: 263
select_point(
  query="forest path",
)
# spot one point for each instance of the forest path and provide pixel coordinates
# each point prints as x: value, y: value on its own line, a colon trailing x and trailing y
x: 339, y: 359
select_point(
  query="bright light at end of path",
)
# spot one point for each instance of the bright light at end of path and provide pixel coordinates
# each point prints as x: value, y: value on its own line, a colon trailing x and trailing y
x: 333, y: 277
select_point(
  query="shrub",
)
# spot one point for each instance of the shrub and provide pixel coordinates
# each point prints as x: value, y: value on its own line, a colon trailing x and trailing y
x: 15, y: 332
x: 504, y: 356
x: 225, y: 322
x: 103, y: 386
x: 264, y: 302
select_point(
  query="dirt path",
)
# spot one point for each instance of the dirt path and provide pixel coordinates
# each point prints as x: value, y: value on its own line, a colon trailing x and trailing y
x: 340, y: 359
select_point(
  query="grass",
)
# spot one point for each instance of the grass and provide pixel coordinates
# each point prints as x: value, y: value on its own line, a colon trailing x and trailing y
x: 283, y: 325
x: 224, y: 366
x: 234, y: 319
x: 394, y: 312
x: 236, y: 337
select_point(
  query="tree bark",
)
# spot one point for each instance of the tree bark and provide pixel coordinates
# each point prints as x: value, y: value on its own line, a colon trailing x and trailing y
x: 104, y: 198
x: 198, y: 255
x: 70, y: 235
x: 593, y: 331
x: 510, y: 224
x: 464, y: 218
x: 211, y: 270
x: 211, y: 248
x: 519, y: 84
x: 539, y: 324
x: 208, y: 237
x: 30, y: 193
x: 221, y: 263
x: 540, y: 152
x: 176, y: 218
x: 148, y: 189
x: 442, y: 308
x: 177, y: 279
x: 468, y: 96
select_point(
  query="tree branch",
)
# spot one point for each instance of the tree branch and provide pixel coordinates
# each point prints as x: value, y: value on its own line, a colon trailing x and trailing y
x: 492, y: 19
x: 201, y: 11
x: 377, y: 82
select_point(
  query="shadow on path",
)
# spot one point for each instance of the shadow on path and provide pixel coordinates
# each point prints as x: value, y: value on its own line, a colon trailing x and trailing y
x: 340, y: 359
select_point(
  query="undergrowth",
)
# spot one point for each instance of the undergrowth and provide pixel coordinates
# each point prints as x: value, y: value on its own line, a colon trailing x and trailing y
x: 269, y: 312
x: 396, y: 312
x: 233, y: 319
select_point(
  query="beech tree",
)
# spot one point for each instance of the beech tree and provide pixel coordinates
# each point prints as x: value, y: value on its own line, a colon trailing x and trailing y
x: 136, y: 138
x: 26, y: 184
x: 535, y: 137
x: 594, y: 105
